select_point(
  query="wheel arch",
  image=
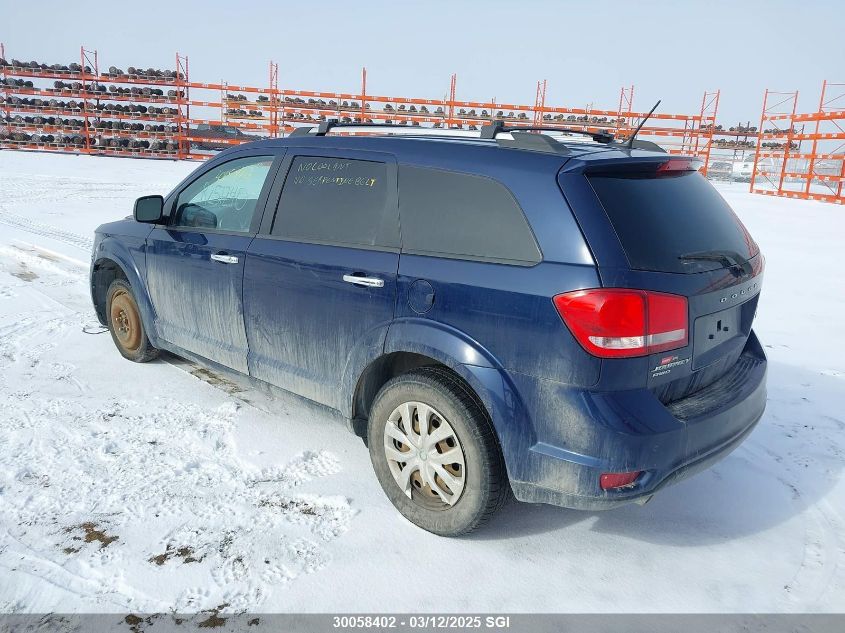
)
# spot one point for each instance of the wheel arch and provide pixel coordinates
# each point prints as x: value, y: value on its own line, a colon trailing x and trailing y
x: 420, y: 343
x: 112, y: 261
x: 373, y: 378
x: 103, y: 272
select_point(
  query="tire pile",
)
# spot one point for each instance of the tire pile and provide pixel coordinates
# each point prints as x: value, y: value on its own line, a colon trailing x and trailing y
x: 776, y: 145
x: 105, y: 109
x: 59, y: 121
x: 70, y: 69
x: 140, y: 74
x: 730, y: 143
x: 96, y: 90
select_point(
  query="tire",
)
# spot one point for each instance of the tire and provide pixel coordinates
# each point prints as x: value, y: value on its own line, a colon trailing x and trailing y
x: 478, y: 486
x: 125, y: 324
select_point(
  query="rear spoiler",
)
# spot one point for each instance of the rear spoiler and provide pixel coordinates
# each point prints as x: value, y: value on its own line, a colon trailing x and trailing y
x: 660, y: 165
x: 638, y: 144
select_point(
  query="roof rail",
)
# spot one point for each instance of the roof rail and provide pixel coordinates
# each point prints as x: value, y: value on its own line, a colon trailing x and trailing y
x: 521, y: 138
x: 535, y: 142
x: 498, y: 127
x: 324, y: 127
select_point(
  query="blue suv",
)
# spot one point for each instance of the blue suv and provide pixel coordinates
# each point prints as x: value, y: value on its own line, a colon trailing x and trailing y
x: 562, y: 320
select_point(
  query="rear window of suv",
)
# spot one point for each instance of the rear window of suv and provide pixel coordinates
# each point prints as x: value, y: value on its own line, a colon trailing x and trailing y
x: 462, y: 216
x: 670, y: 223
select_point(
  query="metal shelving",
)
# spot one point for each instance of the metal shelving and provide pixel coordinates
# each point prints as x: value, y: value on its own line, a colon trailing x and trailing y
x: 219, y: 115
x: 85, y: 111
x: 782, y: 166
x: 275, y: 111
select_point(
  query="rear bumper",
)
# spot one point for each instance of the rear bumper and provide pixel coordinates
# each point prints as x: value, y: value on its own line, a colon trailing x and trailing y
x: 581, y: 435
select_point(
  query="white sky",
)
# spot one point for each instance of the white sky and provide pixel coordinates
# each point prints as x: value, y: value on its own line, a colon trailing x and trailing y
x: 586, y: 50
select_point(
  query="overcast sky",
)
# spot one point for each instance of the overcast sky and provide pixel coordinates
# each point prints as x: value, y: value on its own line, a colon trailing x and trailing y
x: 586, y: 50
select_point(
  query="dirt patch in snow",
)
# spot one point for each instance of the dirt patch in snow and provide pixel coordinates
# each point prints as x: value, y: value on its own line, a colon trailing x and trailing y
x: 289, y: 505
x: 214, y: 620
x: 186, y: 553
x: 206, y: 375
x: 90, y: 534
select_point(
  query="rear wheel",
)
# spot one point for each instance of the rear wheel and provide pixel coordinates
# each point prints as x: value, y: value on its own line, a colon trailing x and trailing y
x: 125, y: 325
x: 435, y: 452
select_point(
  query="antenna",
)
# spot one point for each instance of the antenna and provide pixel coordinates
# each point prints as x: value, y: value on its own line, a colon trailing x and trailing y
x: 640, y: 126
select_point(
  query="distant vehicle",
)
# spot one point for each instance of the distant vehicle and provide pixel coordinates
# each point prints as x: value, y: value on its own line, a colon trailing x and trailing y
x: 720, y: 170
x: 205, y: 131
x: 743, y: 170
x: 567, y: 321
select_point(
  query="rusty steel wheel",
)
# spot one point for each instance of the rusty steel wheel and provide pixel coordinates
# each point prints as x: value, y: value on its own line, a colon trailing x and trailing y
x: 125, y: 325
x: 125, y: 321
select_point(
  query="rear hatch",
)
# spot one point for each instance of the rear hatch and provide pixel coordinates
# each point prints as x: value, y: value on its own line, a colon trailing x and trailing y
x: 655, y: 224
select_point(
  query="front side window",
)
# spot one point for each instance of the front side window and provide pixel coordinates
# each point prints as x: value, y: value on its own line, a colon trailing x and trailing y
x: 224, y: 198
x: 337, y: 201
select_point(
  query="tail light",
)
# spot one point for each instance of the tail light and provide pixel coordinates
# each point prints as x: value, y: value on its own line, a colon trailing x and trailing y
x: 621, y: 323
x: 679, y: 164
x: 609, y: 481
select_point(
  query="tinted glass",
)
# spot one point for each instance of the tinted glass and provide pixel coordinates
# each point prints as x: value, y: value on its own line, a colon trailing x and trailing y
x: 337, y: 201
x: 224, y: 198
x: 660, y: 219
x: 457, y: 215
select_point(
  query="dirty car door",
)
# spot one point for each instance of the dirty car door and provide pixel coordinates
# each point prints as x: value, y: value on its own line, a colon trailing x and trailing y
x: 195, y: 262
x: 320, y: 278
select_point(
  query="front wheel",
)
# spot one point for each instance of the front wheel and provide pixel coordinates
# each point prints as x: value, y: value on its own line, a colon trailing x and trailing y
x: 125, y: 325
x: 435, y: 452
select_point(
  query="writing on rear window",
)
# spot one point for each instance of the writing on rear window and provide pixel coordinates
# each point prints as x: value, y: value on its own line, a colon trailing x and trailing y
x: 337, y: 201
x: 330, y: 173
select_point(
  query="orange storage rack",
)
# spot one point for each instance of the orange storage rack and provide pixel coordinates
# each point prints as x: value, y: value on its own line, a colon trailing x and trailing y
x: 784, y: 165
x: 139, y: 114
x: 154, y: 114
x: 274, y: 111
x: 86, y: 111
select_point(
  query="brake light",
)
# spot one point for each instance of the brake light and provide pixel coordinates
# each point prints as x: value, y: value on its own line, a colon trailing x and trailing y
x: 679, y: 164
x: 618, y: 480
x: 622, y: 323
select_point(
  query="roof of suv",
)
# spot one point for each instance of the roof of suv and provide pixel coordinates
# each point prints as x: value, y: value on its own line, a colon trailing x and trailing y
x: 413, y: 144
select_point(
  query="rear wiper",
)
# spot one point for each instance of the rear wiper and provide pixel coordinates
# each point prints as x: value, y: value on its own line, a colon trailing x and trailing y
x: 729, y: 259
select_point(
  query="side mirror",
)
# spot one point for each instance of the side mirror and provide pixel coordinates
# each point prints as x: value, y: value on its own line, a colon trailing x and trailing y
x: 149, y: 209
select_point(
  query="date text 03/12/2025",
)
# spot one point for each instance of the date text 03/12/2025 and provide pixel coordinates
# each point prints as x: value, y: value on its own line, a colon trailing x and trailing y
x: 421, y: 622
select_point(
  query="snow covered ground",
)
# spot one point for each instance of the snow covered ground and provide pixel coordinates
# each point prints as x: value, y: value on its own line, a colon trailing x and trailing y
x: 165, y: 486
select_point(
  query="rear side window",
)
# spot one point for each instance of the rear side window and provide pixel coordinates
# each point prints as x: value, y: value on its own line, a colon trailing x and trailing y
x: 672, y: 223
x: 448, y: 214
x: 337, y: 201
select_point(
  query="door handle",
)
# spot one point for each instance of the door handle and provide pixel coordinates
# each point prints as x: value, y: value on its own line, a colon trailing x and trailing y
x: 370, y: 282
x: 225, y: 259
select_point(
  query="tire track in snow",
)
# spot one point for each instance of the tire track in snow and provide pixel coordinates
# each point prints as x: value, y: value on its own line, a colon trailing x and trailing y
x: 160, y: 476
x: 34, y: 564
x: 46, y: 230
x: 819, y: 571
